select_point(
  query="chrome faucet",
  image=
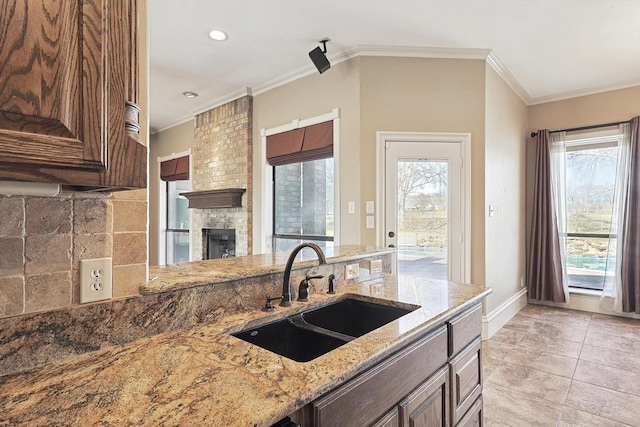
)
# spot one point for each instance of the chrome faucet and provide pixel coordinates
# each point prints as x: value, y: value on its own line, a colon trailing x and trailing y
x: 286, y: 283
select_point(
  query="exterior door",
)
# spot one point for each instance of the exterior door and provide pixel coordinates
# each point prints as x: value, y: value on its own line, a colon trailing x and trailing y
x: 424, y: 208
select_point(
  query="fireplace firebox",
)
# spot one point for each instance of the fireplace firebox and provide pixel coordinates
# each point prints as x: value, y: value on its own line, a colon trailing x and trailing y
x: 218, y: 243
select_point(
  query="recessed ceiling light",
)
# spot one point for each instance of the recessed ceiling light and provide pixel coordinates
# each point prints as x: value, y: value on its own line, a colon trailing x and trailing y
x: 217, y: 35
x: 189, y: 94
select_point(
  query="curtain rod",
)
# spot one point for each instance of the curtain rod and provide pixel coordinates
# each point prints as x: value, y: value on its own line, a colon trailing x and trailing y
x: 604, y: 125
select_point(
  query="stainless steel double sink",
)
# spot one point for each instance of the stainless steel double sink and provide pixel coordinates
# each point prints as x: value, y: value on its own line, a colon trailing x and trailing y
x: 312, y: 333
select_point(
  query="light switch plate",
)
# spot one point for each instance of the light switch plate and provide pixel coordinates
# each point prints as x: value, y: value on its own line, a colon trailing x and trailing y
x: 370, y: 221
x: 370, y: 206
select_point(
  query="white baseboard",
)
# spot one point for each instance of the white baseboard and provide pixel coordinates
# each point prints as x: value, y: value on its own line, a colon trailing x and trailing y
x: 585, y: 300
x: 499, y: 317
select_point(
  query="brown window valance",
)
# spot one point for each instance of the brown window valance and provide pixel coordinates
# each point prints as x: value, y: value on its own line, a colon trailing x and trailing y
x: 313, y: 142
x: 175, y: 169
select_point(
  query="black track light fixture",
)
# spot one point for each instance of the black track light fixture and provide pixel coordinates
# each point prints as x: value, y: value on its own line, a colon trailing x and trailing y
x: 319, y: 58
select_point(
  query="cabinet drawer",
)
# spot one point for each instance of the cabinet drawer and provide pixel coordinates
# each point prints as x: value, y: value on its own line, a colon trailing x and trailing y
x: 367, y: 397
x: 473, y: 418
x: 466, y: 379
x: 465, y: 328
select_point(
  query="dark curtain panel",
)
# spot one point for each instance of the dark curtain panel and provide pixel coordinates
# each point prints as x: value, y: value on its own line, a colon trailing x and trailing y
x: 545, y: 264
x: 629, y: 254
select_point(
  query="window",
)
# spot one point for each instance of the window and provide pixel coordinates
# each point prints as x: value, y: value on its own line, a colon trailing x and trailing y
x: 590, y: 185
x: 303, y: 204
x: 177, y: 226
x: 303, y: 185
x: 174, y: 220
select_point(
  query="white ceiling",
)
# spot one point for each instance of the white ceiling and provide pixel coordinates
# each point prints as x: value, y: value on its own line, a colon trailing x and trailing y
x: 548, y: 49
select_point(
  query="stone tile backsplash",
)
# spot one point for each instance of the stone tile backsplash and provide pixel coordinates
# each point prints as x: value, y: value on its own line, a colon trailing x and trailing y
x: 43, y: 239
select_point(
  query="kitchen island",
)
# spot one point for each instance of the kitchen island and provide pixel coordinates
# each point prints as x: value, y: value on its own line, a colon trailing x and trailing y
x: 202, y: 376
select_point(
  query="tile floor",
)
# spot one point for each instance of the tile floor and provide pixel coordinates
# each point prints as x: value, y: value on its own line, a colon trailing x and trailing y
x: 556, y: 367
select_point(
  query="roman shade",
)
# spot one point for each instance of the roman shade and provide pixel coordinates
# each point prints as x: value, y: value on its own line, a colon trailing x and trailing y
x: 175, y: 169
x: 305, y: 144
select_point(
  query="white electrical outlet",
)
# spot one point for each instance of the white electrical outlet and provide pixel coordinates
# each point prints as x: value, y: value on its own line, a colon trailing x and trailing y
x: 375, y: 266
x: 351, y: 271
x: 95, y: 280
x: 522, y: 281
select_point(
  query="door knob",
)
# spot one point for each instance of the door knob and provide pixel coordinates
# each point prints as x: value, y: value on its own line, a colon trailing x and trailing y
x: 391, y: 234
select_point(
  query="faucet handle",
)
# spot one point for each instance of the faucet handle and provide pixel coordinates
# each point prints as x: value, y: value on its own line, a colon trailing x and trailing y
x: 303, y: 290
x: 269, y: 304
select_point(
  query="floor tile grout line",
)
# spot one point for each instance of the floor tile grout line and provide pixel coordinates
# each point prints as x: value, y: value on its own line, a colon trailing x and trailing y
x: 587, y: 410
x: 591, y: 327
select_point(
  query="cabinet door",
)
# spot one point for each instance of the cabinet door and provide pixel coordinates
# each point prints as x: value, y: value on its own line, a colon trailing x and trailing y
x: 427, y: 406
x: 466, y: 379
x: 67, y: 69
x: 473, y: 418
x: 369, y: 396
x: 391, y: 419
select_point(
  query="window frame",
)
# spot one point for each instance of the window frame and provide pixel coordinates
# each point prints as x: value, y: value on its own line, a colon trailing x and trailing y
x: 168, y: 229
x: 163, y: 207
x: 580, y: 142
x: 263, y: 235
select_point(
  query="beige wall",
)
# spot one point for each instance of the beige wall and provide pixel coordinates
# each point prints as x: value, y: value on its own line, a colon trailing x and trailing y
x: 588, y: 110
x: 506, y: 126
x: 425, y: 95
x: 373, y: 94
x: 384, y: 94
x: 174, y: 140
x: 305, y: 98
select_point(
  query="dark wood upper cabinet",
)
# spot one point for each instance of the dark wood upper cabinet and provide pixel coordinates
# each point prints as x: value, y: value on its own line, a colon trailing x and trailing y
x: 68, y: 93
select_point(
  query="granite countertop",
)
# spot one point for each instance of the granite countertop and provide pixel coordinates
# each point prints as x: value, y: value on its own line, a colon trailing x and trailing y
x: 200, y: 273
x: 203, y: 376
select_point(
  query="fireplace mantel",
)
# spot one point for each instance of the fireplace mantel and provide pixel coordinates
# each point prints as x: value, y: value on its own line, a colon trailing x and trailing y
x: 226, y: 198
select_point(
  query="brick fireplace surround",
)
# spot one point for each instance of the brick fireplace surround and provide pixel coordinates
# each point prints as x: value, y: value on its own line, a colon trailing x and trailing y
x: 222, y: 159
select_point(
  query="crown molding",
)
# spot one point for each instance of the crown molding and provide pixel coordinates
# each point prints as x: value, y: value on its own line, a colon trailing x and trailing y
x: 203, y: 107
x: 177, y: 122
x: 497, y: 65
x: 423, y: 52
x: 302, y: 72
x: 487, y: 55
x: 585, y: 92
x: 362, y: 50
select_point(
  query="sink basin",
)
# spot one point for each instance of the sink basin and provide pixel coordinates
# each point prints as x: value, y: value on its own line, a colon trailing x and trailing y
x: 312, y: 333
x: 354, y: 317
x: 288, y: 339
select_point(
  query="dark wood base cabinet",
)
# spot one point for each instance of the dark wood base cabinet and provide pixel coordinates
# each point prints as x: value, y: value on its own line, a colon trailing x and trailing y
x: 427, y: 405
x: 473, y: 417
x: 435, y: 381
